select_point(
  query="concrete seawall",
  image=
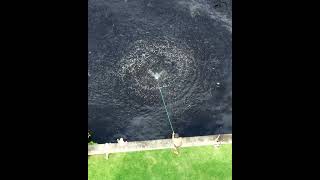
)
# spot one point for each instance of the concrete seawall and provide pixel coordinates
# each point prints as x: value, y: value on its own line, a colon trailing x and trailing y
x: 158, y: 144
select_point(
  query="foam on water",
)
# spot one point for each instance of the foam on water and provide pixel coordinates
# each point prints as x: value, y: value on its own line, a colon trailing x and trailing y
x: 155, y: 75
x: 158, y: 60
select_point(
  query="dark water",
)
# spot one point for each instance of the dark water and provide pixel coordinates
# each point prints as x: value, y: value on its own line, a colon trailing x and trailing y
x: 187, y: 41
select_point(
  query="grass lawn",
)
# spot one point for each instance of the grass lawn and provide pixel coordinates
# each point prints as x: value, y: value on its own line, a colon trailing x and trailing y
x: 195, y: 163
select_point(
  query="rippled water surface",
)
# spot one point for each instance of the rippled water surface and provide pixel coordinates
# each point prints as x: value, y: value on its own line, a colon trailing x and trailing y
x: 137, y: 46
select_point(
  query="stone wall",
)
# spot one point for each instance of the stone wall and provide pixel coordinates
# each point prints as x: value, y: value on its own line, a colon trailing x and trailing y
x: 158, y: 144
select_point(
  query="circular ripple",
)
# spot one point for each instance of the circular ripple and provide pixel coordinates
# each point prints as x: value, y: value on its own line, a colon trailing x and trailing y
x: 170, y: 58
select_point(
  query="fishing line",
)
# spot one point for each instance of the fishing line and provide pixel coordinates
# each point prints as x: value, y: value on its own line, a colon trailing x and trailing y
x: 165, y: 106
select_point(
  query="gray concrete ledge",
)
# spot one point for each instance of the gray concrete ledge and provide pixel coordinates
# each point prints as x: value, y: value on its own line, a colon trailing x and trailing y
x: 158, y: 144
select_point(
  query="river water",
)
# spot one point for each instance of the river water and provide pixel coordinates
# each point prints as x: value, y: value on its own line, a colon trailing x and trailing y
x: 185, y: 44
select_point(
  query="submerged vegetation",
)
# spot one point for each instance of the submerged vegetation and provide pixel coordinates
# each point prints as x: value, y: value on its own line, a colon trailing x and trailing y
x: 90, y: 141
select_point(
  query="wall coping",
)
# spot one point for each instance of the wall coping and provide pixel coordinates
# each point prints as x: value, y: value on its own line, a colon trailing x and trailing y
x: 132, y: 146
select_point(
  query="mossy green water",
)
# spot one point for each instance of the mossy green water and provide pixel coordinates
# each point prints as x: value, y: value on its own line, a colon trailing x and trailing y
x: 196, y: 163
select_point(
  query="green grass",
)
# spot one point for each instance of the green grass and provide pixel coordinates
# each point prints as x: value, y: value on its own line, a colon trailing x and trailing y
x: 91, y: 143
x: 193, y: 163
